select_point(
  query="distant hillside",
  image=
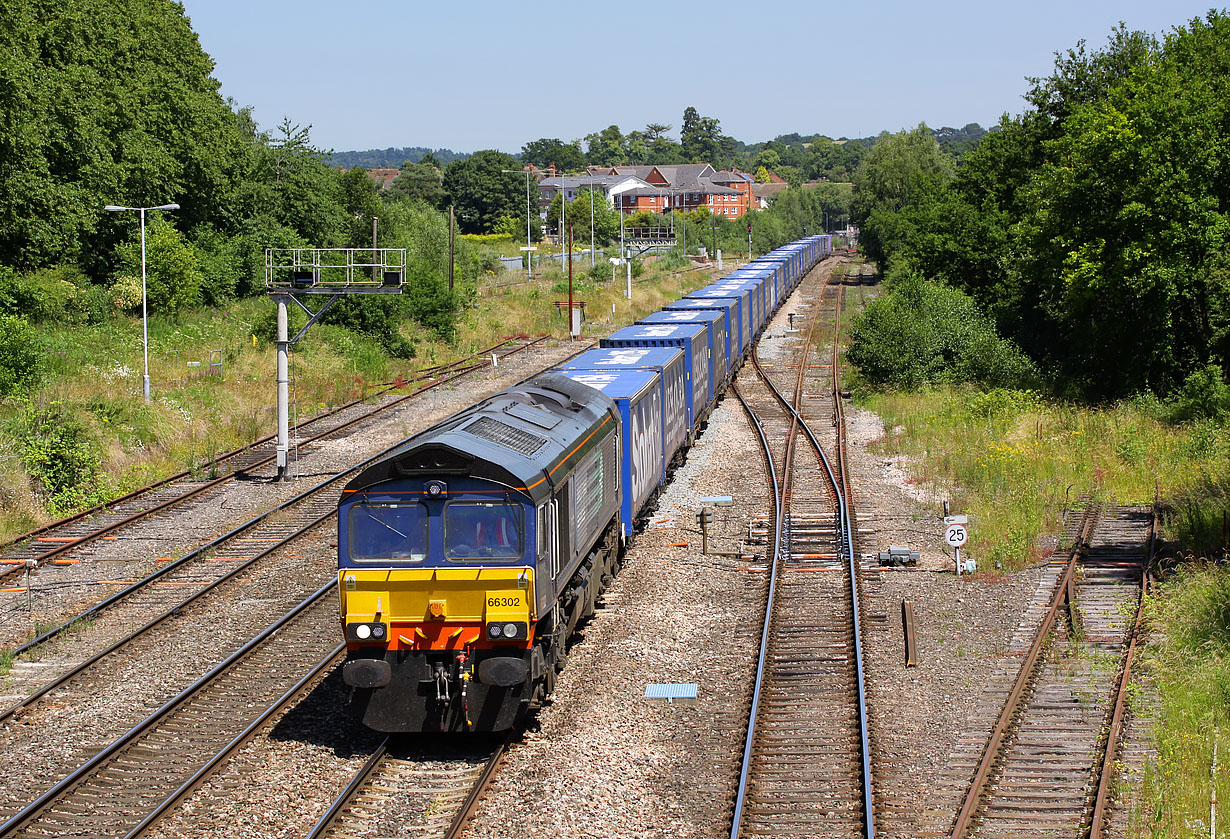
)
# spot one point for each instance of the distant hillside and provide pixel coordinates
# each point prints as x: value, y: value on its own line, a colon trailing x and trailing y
x: 377, y: 158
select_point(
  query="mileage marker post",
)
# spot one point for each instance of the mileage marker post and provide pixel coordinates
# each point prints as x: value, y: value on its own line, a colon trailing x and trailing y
x: 956, y: 535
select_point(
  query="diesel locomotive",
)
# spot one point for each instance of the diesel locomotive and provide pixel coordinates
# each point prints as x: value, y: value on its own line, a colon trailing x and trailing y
x: 468, y: 555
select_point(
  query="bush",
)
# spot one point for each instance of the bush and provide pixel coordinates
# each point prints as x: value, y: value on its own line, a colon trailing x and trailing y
x: 921, y: 333
x: 173, y: 275
x: 378, y: 316
x: 52, y: 295
x: 61, y: 455
x: 21, y: 358
x: 1204, y: 395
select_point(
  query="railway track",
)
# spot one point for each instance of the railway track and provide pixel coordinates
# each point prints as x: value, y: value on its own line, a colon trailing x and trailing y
x: 49, y: 543
x: 1048, y: 767
x: 268, y: 538
x: 426, y: 790
x: 807, y: 764
x: 124, y: 788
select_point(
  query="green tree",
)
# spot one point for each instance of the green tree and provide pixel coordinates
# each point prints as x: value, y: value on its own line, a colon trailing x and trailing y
x: 482, y: 193
x: 361, y: 204
x: 606, y: 147
x: 899, y: 170
x: 417, y: 182
x: 605, y: 216
x: 702, y: 140
x: 105, y: 103
x: 305, y: 191
x: 173, y: 275
x: 566, y: 157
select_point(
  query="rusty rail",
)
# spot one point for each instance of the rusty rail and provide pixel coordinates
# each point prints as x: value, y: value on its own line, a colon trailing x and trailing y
x: 1020, y: 686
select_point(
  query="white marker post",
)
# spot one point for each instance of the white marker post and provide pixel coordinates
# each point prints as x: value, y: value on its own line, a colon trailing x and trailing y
x: 956, y: 535
x: 529, y: 262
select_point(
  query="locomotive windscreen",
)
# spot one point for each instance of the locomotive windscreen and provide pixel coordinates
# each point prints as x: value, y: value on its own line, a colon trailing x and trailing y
x: 482, y: 530
x: 387, y: 531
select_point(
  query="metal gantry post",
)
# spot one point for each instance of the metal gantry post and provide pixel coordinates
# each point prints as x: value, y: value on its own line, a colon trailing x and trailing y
x: 283, y: 449
x: 144, y: 313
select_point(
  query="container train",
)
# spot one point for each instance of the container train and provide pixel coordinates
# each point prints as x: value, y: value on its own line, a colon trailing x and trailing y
x: 469, y: 554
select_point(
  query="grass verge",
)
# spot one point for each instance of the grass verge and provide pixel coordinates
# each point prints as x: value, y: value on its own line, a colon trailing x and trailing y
x: 1188, y: 658
x: 1014, y: 461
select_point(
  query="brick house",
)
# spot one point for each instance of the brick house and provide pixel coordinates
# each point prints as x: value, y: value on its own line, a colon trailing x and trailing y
x: 684, y: 187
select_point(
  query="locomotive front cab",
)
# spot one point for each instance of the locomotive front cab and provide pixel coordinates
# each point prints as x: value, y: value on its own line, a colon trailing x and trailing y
x: 437, y: 603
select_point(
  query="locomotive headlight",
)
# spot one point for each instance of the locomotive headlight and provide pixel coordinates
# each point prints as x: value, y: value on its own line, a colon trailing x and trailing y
x: 494, y: 630
x: 363, y: 631
x: 510, y: 630
x: 377, y: 631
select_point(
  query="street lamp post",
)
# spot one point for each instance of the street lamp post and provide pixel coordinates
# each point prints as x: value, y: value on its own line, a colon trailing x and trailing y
x: 113, y: 208
x: 529, y: 254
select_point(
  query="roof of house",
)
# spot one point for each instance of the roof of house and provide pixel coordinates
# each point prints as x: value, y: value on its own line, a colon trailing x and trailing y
x: 725, y: 177
x: 606, y: 183
x: 768, y: 190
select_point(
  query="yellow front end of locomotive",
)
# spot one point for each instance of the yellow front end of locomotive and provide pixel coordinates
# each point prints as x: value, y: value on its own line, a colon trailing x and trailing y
x: 436, y: 608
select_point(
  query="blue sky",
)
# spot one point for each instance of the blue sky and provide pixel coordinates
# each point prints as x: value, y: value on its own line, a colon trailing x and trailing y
x: 476, y: 74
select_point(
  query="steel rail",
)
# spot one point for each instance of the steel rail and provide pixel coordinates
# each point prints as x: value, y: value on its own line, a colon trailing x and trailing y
x: 778, y: 511
x: 847, y: 540
x: 1106, y: 772
x: 211, y: 765
x: 476, y: 792
x: 1003, y: 724
x: 352, y: 789
x: 41, y: 803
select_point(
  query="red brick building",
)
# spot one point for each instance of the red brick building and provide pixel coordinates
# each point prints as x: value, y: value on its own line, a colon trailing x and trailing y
x: 683, y: 188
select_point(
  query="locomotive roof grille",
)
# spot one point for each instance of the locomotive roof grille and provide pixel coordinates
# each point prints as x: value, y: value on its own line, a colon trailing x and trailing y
x: 505, y: 435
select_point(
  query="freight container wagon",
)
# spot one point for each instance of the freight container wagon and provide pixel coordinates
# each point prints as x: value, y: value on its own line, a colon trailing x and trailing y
x: 637, y: 395
x: 729, y: 308
x: 756, y: 299
x: 668, y: 362
x: 719, y: 340
x: 743, y: 299
x: 693, y: 339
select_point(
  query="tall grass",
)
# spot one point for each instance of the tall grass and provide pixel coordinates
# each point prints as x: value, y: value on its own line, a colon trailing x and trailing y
x: 1014, y: 461
x: 1189, y: 659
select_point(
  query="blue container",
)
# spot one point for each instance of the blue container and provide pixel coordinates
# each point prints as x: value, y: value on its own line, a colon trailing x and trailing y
x: 729, y: 307
x: 712, y: 293
x: 693, y: 339
x: 668, y: 362
x: 642, y: 450
x: 719, y: 340
x: 756, y: 297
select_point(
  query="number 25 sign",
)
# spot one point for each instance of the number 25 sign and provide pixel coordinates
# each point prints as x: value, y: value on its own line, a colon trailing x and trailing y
x: 956, y: 535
